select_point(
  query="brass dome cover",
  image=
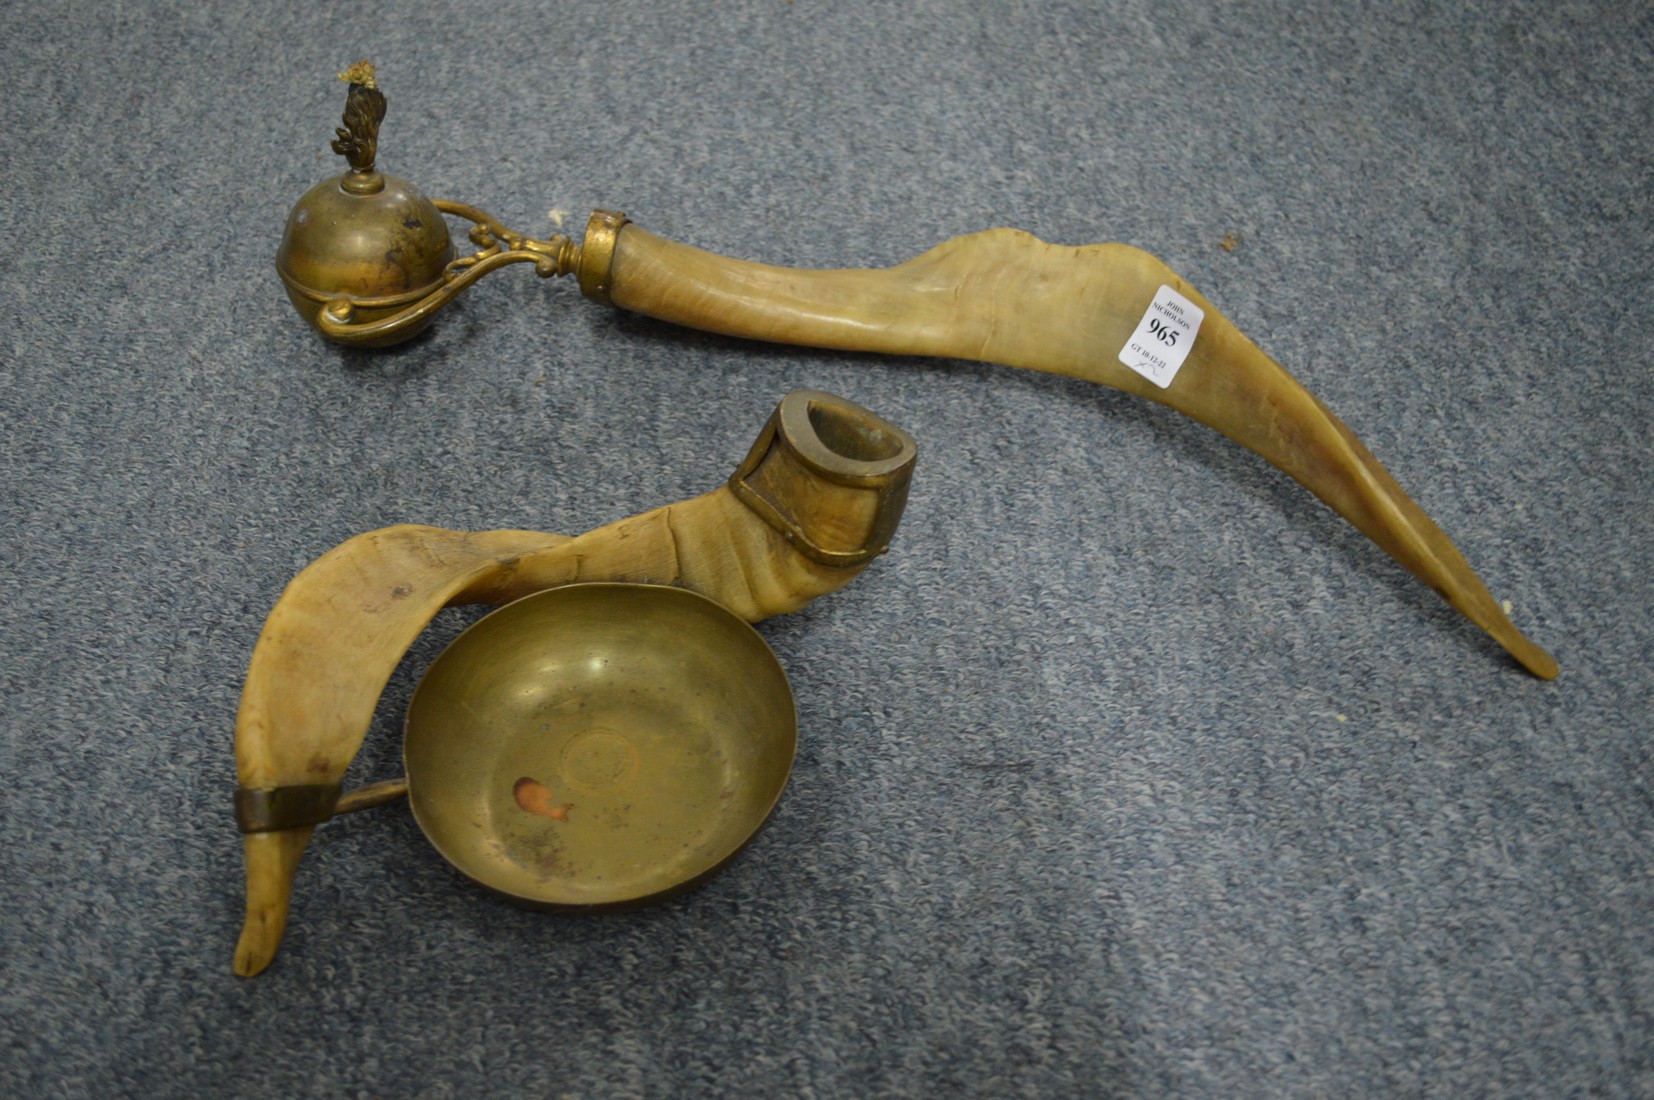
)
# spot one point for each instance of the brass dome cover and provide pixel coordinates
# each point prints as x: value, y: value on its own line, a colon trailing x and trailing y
x: 371, y: 239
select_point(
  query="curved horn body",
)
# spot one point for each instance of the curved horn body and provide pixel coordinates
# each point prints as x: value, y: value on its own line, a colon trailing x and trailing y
x: 1001, y: 296
x: 1006, y: 297
x: 815, y: 501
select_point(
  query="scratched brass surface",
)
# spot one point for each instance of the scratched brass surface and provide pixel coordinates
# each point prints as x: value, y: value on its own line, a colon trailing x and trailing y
x: 380, y: 251
x: 599, y: 744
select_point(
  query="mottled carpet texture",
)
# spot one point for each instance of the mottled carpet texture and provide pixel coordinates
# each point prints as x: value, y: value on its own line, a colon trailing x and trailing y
x: 1131, y: 770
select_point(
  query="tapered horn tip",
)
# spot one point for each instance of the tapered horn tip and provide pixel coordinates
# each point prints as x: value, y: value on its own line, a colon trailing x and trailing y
x: 1529, y: 655
x: 1519, y: 646
x: 255, y: 950
x: 271, y: 860
x: 1536, y: 660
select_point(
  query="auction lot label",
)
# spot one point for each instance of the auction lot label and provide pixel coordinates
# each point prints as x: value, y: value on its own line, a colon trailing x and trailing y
x: 1163, y: 337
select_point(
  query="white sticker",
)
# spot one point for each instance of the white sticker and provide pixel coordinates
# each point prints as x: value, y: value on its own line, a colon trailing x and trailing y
x: 1163, y: 337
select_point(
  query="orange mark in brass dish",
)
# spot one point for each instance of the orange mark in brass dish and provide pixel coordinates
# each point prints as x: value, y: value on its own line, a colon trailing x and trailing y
x: 535, y: 797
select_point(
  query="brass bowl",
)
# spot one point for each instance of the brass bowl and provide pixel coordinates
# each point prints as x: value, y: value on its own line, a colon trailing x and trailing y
x: 599, y: 744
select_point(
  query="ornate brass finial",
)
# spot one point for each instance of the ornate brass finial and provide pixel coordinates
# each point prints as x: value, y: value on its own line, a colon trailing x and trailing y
x: 358, y: 139
x: 362, y: 73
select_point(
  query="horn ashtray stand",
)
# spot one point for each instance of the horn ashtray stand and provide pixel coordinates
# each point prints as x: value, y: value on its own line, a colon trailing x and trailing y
x: 539, y: 739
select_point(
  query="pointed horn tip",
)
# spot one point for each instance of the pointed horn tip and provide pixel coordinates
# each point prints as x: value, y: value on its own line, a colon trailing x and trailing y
x: 256, y: 948
x: 271, y: 860
x: 1537, y: 661
x: 1526, y: 653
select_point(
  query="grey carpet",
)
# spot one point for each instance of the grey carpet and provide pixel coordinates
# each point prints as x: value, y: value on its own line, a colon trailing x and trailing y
x: 1130, y: 771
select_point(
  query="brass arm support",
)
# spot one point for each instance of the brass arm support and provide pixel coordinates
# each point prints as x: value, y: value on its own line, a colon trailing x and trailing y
x: 274, y: 809
x: 340, y: 317
x: 359, y: 321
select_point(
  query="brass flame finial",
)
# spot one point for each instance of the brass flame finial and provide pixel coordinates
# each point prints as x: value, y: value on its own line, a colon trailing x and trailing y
x: 358, y: 139
x: 362, y: 73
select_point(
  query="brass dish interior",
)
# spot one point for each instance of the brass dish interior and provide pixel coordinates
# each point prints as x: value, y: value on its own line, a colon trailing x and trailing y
x: 599, y: 744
